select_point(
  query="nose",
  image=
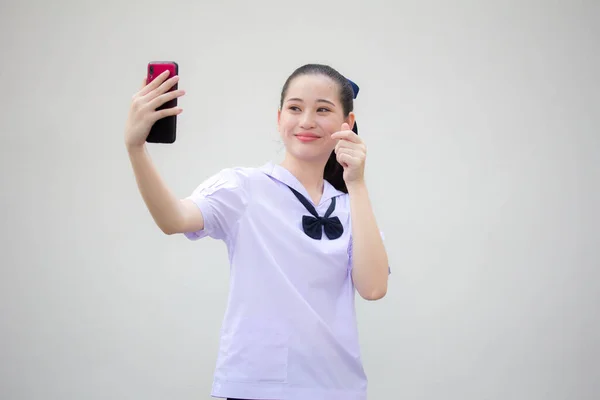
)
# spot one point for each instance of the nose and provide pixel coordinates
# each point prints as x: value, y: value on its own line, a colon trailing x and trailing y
x: 307, y: 121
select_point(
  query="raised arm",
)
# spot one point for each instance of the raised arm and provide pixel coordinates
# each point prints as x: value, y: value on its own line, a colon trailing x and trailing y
x: 171, y: 214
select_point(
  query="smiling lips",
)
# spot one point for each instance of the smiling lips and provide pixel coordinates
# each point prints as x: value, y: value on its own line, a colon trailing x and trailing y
x: 307, y: 137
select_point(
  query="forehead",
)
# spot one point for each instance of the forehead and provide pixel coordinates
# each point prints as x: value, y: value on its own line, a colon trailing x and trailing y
x: 309, y: 87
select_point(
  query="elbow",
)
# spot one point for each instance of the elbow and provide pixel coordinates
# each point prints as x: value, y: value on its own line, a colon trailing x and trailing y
x: 173, y: 224
x: 169, y: 229
x: 374, y: 294
x: 371, y: 288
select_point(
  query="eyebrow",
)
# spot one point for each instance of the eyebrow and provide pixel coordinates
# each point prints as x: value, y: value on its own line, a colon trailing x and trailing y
x: 318, y: 100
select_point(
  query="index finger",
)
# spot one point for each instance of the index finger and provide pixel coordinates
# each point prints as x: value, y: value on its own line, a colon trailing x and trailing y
x: 155, y: 83
x: 346, y: 135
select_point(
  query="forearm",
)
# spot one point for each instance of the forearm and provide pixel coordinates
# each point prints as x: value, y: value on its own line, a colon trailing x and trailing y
x: 165, y: 208
x: 370, y: 262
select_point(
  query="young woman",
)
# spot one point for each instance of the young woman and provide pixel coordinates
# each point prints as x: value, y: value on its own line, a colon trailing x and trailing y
x: 301, y: 237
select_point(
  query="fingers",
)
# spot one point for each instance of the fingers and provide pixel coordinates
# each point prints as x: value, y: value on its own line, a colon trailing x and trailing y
x: 163, y: 88
x: 347, y: 160
x: 163, y: 98
x: 141, y: 90
x: 359, y: 147
x: 154, y: 84
x: 167, y: 112
x: 349, y: 151
x: 346, y: 135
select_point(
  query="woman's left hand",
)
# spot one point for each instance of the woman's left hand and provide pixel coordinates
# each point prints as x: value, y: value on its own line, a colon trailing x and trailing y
x: 351, y: 153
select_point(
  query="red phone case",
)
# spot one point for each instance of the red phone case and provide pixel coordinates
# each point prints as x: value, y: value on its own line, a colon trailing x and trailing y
x: 164, y: 130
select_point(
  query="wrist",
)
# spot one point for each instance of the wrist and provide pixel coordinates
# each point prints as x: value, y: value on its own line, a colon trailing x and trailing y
x: 356, y: 186
x: 135, y: 148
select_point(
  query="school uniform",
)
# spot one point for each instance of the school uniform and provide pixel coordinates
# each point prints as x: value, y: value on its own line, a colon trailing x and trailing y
x: 289, y: 330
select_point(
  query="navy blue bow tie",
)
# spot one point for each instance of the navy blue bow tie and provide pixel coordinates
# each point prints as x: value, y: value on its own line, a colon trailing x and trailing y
x: 314, y: 225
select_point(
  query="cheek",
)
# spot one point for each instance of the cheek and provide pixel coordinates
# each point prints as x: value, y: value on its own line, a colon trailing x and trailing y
x: 288, y: 121
x: 284, y: 125
x: 331, y: 126
x: 333, y: 122
x: 288, y: 128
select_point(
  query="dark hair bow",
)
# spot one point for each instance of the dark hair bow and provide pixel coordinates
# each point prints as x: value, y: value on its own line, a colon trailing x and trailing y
x: 355, y: 88
x: 315, y: 225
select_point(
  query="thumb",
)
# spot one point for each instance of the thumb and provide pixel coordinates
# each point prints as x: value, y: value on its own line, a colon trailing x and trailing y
x: 345, y: 127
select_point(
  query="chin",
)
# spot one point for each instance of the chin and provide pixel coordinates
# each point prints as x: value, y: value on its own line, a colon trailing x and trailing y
x: 309, y: 152
x: 309, y: 155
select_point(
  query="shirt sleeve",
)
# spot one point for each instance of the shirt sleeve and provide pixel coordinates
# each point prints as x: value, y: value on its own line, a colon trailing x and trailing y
x: 350, y: 253
x: 222, y: 200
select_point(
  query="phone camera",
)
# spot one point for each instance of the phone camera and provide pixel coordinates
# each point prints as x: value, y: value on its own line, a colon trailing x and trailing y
x: 152, y: 70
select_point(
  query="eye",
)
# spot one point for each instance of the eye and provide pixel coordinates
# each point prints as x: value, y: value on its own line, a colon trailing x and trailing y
x: 323, y: 109
x: 294, y: 108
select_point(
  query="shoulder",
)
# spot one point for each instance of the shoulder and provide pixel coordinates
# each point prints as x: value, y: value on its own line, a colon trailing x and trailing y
x: 236, y: 173
x: 232, y: 177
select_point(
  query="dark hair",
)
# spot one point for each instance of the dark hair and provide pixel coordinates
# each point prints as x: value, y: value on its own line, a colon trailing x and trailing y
x: 334, y: 172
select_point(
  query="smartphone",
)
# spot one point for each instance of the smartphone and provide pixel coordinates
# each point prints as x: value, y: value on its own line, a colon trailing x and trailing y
x: 164, y: 130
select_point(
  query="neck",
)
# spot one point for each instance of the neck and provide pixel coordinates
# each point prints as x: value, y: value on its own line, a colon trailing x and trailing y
x: 308, y: 173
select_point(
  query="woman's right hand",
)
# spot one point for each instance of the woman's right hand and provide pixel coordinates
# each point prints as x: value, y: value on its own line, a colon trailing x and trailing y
x: 142, y: 112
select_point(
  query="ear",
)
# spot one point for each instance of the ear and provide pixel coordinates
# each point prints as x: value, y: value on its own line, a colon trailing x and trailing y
x: 278, y: 118
x: 350, y: 119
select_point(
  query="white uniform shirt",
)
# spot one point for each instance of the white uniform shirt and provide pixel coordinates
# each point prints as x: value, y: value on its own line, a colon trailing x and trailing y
x: 289, y: 331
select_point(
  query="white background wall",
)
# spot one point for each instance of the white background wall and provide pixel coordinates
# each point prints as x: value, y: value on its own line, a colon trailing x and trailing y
x: 482, y: 122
